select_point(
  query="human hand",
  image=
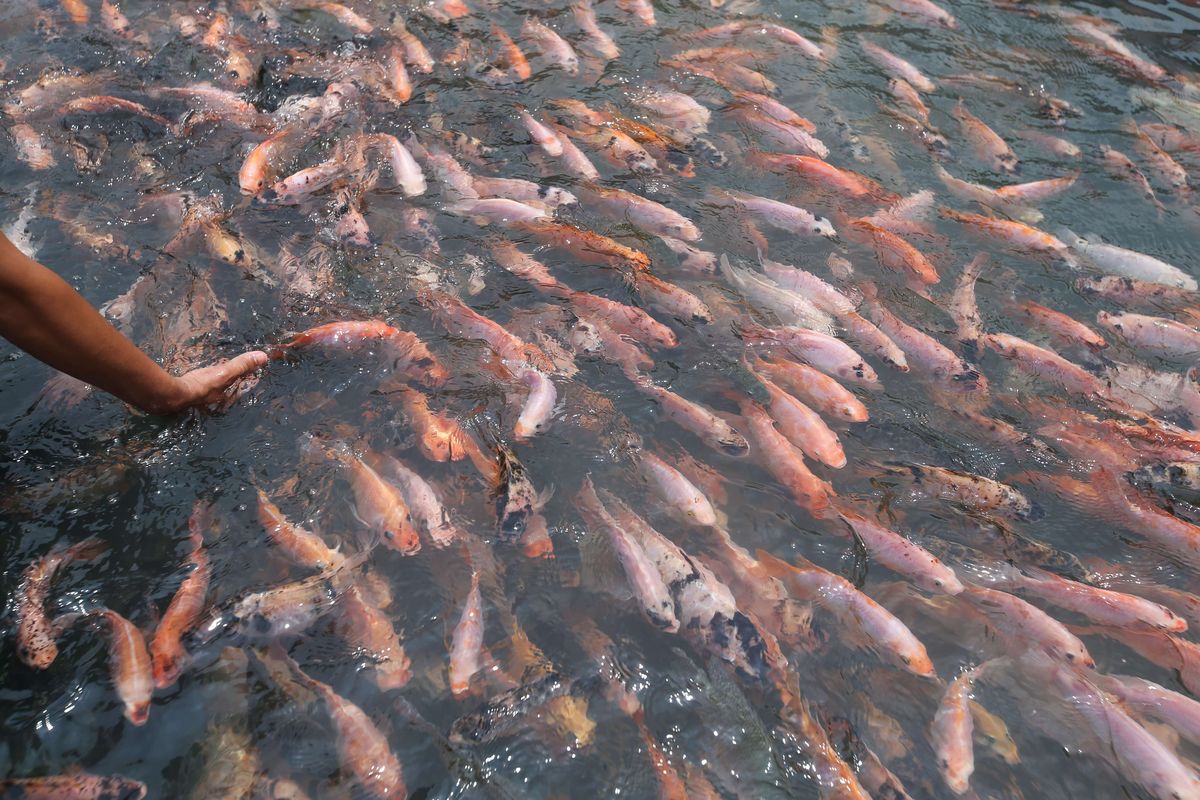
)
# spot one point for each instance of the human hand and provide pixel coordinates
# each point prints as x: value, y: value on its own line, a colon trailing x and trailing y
x: 209, y: 386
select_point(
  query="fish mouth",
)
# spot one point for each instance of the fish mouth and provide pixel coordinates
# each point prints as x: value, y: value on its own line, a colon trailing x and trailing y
x: 735, y: 447
x: 514, y: 522
x: 139, y: 714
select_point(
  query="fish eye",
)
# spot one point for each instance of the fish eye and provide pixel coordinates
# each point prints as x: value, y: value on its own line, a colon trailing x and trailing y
x: 906, y: 659
x: 1070, y: 657
x: 389, y: 535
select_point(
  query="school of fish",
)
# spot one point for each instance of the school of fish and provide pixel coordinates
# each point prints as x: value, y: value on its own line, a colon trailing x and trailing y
x: 581, y: 371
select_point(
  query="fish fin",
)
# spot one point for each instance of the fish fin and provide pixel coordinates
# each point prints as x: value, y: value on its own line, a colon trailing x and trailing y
x: 544, y: 497
x: 775, y: 566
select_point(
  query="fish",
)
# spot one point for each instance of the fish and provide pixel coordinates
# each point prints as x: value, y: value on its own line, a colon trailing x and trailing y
x: 893, y: 252
x: 986, y: 196
x: 1138, y: 755
x: 32, y: 147
x: 1037, y: 191
x: 792, y: 306
x: 301, y: 546
x: 1015, y: 234
x: 587, y: 246
x: 740, y: 30
x: 789, y: 138
x: 37, y: 634
x: 925, y: 355
x: 1044, y: 363
x: 907, y: 216
x: 1060, y: 327
x: 344, y: 15
x: 130, y: 665
x: 951, y: 734
x: 368, y: 630
x: 648, y: 215
x: 926, y: 11
x: 1125, y: 263
x: 895, y: 66
x: 167, y: 653
x: 107, y: 104
x: 963, y: 308
x: 552, y: 47
x: 542, y: 135
x: 1122, y: 168
x: 688, y: 501
x: 816, y: 389
x: 1160, y: 336
x: 1177, y: 536
x: 1054, y: 145
x: 844, y: 182
x: 573, y: 159
x: 462, y: 321
x: 1178, y: 479
x: 405, y: 170
x: 517, y: 501
x: 1149, y: 699
x: 826, y: 353
x: 975, y: 492
x: 783, y: 216
x: 1101, y: 606
x: 681, y: 112
x: 346, y: 335
x: 291, y: 608
x: 901, y: 555
x: 987, y: 144
x: 500, y: 714
x: 351, y: 228
x: 1128, y: 292
x: 539, y: 404
x: 424, y: 501
x: 363, y: 750
x: 885, y: 631
x: 647, y: 584
x: 699, y: 420
x: 1028, y: 625
x: 74, y: 785
x: 522, y: 191
x: 783, y: 460
x: 440, y: 437
x: 596, y: 39
x: 378, y: 505
x: 803, y: 427
x: 467, y: 642
x: 670, y: 298
x: 706, y: 609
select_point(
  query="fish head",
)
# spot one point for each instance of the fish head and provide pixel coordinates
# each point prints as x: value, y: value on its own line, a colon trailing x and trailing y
x: 137, y: 713
x: 168, y: 666
x: 514, y: 518
x: 734, y: 444
x: 402, y: 538
x: 823, y: 227
x: 917, y: 662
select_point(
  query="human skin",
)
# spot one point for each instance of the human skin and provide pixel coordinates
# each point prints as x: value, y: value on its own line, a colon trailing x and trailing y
x: 41, y: 314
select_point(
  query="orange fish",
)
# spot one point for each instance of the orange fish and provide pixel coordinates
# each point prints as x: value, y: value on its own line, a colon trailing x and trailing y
x: 166, y: 650
x: 130, y: 665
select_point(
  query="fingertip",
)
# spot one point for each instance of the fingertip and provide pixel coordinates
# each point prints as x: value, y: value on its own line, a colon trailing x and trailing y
x: 257, y: 358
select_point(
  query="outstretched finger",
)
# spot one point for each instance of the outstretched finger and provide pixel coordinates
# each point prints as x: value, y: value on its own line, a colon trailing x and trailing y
x: 235, y: 368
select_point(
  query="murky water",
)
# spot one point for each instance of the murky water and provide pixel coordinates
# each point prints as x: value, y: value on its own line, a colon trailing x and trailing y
x: 77, y: 465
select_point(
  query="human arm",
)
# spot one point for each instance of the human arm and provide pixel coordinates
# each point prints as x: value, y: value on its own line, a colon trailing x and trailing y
x: 41, y: 314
